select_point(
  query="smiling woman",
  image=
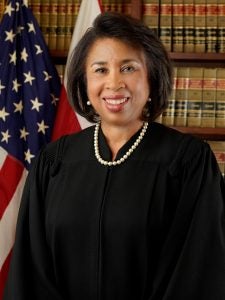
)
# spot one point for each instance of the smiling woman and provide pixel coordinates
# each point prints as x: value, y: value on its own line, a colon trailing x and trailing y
x: 117, y: 86
x: 127, y: 209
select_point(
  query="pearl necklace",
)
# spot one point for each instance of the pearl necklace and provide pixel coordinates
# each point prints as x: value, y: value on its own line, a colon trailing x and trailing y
x: 126, y: 155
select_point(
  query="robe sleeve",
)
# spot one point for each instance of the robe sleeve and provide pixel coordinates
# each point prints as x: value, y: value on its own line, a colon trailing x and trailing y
x: 192, y: 260
x: 31, y: 274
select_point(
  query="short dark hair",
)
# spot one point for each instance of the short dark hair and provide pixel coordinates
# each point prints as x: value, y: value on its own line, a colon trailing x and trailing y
x: 130, y: 31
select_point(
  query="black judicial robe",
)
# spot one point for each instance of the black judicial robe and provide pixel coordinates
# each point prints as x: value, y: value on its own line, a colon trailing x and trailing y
x: 152, y: 228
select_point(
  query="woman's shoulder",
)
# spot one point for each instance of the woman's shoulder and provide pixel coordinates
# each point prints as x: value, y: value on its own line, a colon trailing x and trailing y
x: 69, y: 145
x: 177, y: 146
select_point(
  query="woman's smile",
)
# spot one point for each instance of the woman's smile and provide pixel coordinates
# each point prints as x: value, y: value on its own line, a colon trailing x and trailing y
x: 115, y: 103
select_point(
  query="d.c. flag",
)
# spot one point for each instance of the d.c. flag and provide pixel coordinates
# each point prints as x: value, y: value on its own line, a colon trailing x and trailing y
x: 66, y: 120
x: 29, y: 92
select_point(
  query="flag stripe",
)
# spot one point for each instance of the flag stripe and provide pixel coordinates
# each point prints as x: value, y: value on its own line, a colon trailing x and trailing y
x: 10, y: 175
x: 3, y: 273
x: 65, y: 120
x: 9, y: 219
x: 3, y: 155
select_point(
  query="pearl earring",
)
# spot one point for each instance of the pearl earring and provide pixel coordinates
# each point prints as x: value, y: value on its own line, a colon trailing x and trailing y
x: 149, y: 99
x: 88, y: 103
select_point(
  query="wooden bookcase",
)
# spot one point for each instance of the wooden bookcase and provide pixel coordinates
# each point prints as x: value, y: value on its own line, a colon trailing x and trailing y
x: 199, y: 60
x: 196, y: 60
x: 179, y: 59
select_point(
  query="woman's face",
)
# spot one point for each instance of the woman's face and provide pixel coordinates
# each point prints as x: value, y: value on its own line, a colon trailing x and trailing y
x: 117, y: 82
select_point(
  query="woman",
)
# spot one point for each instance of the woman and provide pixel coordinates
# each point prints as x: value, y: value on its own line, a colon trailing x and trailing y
x: 125, y: 209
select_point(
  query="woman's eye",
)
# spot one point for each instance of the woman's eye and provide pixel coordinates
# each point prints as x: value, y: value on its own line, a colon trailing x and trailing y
x: 100, y: 70
x: 127, y: 69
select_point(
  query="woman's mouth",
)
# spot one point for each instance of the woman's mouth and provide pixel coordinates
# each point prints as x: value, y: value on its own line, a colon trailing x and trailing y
x: 115, y: 104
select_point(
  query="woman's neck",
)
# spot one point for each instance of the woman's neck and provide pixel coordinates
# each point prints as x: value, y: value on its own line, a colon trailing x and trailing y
x: 117, y: 136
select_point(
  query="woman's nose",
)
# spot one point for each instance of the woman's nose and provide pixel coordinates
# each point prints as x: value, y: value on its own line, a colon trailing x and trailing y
x: 114, y: 81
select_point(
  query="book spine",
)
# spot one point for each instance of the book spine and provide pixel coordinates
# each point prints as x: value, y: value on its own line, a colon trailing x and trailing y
x: 53, y: 15
x: 75, y: 11
x: 220, y: 98
x: 44, y: 20
x: 180, y: 118
x: 165, y: 24
x: 221, y: 26
x: 61, y: 21
x: 200, y: 26
x: 194, y: 95
x: 178, y: 26
x: 189, y: 34
x: 169, y: 114
x: 69, y: 25
x: 209, y: 97
x: 151, y: 15
x: 36, y: 9
x: 211, y: 25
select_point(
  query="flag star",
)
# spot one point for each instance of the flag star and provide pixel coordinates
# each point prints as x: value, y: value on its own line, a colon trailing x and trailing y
x: 42, y: 127
x: 13, y: 58
x: 3, y: 114
x: 28, y: 156
x: 2, y: 87
x: 5, y: 136
x: 39, y: 50
x: 17, y: 6
x: 36, y: 104
x: 19, y: 29
x: 9, y: 9
x: 9, y: 36
x: 25, y: 3
x: 23, y: 133
x: 28, y: 78
x: 18, y: 107
x: 24, y: 55
x: 16, y: 85
x: 31, y: 27
x: 54, y: 99
x: 47, y: 76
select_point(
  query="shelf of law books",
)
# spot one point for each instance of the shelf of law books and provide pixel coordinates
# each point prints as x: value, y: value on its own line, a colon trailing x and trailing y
x: 184, y: 26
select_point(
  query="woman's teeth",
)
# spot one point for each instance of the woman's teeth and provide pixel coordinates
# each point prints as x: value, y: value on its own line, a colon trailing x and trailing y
x: 116, y: 101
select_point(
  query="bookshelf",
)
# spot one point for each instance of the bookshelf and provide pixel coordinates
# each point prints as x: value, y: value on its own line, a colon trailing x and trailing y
x: 207, y: 58
x: 144, y: 9
x: 184, y: 59
x: 207, y: 133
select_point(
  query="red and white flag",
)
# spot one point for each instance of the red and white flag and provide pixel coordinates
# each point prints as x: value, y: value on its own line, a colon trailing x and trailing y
x: 29, y: 92
x: 66, y: 120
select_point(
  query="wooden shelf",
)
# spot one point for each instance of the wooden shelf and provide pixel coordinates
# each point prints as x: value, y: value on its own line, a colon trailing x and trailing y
x: 215, y: 134
x: 198, y: 59
x: 181, y: 58
x: 59, y: 57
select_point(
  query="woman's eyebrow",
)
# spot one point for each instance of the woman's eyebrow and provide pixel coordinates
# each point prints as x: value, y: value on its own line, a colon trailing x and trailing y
x: 123, y: 61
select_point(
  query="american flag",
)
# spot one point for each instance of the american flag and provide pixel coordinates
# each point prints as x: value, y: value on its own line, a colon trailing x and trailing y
x: 29, y: 92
